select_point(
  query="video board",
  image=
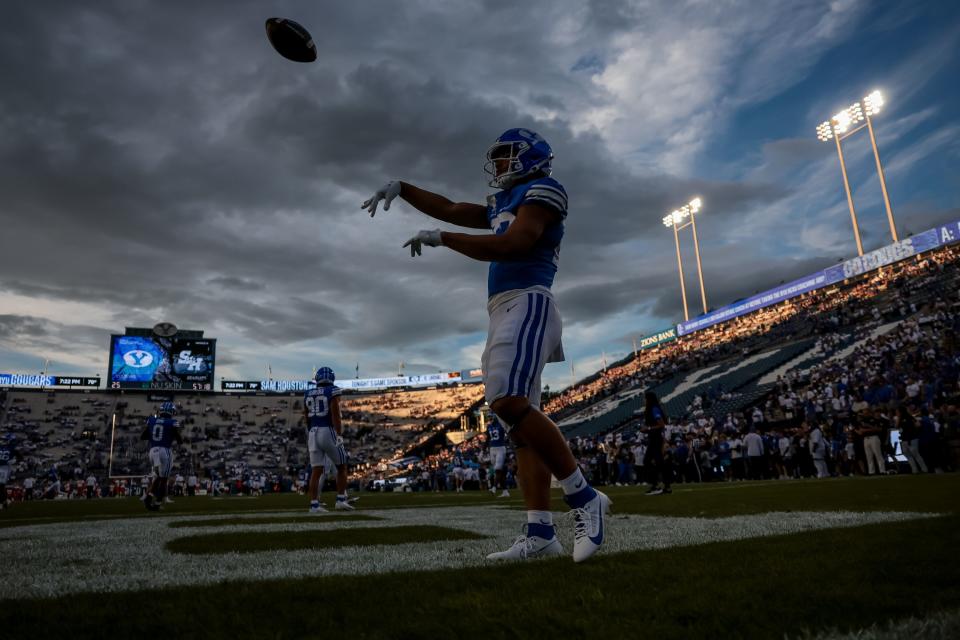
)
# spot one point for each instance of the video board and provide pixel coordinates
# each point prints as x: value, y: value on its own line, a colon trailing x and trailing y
x: 154, y: 362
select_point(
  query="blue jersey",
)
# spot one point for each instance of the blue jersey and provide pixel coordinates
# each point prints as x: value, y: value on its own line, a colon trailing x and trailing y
x: 53, y: 475
x: 161, y: 431
x: 317, y: 403
x: 495, y: 435
x: 7, y: 454
x: 541, y: 265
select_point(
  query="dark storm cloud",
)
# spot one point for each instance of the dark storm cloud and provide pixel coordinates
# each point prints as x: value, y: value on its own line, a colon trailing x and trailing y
x: 59, y: 337
x: 12, y: 326
x: 169, y: 166
x: 157, y: 178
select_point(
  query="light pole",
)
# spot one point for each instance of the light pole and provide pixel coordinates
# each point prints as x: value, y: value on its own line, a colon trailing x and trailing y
x: 839, y: 127
x: 676, y: 219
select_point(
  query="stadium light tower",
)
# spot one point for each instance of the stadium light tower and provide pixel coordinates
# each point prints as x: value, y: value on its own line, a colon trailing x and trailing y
x: 838, y: 128
x: 676, y: 219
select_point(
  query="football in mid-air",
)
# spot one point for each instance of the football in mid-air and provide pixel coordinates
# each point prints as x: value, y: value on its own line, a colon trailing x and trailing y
x: 291, y: 40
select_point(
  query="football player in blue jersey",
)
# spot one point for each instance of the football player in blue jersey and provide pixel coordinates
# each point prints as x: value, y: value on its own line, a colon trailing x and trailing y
x: 458, y: 469
x: 497, y: 442
x: 321, y: 411
x: 526, y: 217
x: 7, y: 455
x: 161, y: 432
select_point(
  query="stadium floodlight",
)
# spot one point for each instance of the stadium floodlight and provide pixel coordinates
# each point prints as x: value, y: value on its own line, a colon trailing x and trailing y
x: 676, y: 219
x: 825, y: 131
x: 844, y: 124
x: 873, y: 102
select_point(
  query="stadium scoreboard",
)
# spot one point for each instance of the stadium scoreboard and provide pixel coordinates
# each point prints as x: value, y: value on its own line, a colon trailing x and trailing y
x: 142, y: 359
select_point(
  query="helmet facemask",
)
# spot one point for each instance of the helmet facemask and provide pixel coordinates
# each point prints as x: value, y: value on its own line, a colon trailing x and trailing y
x: 517, y: 154
x: 509, y: 153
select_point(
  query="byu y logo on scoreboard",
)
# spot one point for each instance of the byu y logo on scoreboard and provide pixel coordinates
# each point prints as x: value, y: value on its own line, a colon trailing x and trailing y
x: 138, y: 358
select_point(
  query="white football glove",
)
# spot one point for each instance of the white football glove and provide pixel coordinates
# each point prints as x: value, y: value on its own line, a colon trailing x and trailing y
x: 339, y: 441
x: 429, y: 238
x: 386, y: 193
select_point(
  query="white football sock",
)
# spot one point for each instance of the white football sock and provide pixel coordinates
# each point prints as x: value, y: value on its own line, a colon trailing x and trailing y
x: 540, y: 517
x: 574, y: 483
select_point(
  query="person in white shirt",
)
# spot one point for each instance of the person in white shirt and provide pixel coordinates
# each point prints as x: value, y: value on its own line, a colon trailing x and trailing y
x: 736, y: 457
x: 913, y: 389
x: 91, y: 486
x: 639, y: 450
x: 818, y: 450
x: 756, y: 465
x: 783, y: 446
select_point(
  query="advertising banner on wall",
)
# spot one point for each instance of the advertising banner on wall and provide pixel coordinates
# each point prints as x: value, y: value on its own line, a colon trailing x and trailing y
x: 914, y: 245
x: 285, y: 386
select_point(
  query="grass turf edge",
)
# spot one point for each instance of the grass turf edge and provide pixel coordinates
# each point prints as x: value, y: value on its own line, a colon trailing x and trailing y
x: 844, y: 579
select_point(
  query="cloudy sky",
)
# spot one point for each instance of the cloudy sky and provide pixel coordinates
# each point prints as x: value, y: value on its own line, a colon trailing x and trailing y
x: 161, y: 162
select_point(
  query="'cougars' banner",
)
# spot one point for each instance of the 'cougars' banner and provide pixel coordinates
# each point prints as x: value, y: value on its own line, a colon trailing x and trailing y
x: 24, y: 380
x: 919, y: 243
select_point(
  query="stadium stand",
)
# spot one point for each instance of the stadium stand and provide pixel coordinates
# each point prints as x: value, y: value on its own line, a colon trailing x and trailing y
x: 844, y: 357
x: 227, y: 436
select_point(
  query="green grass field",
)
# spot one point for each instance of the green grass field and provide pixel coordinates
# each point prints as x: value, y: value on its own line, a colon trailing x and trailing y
x: 753, y: 560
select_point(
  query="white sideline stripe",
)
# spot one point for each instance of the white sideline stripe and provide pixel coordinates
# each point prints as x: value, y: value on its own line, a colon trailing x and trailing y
x: 129, y: 555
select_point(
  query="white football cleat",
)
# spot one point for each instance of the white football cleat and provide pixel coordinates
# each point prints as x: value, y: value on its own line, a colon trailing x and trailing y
x: 343, y: 505
x: 167, y: 501
x: 588, y: 525
x: 317, y: 509
x: 527, y: 547
x: 505, y: 494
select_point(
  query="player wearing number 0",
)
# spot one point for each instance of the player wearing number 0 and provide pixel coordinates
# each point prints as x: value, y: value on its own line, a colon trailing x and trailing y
x: 526, y: 217
x: 161, y: 431
x: 321, y: 410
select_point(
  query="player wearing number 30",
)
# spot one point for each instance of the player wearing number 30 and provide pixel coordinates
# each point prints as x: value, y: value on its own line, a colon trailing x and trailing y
x: 321, y: 410
x: 526, y: 217
x: 161, y: 430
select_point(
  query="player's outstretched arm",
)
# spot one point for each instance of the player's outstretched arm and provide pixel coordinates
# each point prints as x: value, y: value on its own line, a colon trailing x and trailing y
x: 463, y: 214
x: 515, y: 244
